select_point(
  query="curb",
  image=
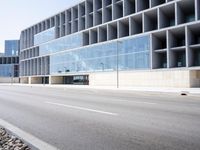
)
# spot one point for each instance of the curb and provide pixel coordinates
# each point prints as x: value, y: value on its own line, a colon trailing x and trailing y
x: 33, y: 141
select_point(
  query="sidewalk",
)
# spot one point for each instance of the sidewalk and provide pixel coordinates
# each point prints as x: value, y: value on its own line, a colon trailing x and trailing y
x: 139, y: 89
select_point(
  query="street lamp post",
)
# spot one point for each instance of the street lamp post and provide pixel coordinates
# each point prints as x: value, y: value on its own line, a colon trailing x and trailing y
x: 44, y: 79
x: 44, y: 82
x: 10, y: 74
x: 64, y: 78
x: 118, y: 42
x: 73, y: 67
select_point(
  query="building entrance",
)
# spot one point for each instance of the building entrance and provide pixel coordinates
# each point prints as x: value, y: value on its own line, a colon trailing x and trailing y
x: 76, y: 80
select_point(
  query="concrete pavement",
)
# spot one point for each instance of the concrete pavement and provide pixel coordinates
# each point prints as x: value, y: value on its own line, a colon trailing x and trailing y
x: 91, y: 119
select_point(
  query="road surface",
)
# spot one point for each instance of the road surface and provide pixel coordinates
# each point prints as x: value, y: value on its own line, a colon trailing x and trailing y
x: 91, y: 119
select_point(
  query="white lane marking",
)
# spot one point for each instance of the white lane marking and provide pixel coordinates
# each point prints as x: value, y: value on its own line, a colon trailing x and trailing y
x: 41, y: 145
x: 149, y: 103
x: 82, y: 108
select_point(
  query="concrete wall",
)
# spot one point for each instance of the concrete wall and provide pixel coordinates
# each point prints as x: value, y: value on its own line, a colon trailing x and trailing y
x: 158, y: 78
x: 56, y: 80
x: 9, y: 80
x: 177, y: 78
x: 24, y: 80
x: 195, y: 78
x: 36, y: 80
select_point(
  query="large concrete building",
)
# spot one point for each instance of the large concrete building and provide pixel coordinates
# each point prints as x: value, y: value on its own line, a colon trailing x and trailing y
x: 115, y: 43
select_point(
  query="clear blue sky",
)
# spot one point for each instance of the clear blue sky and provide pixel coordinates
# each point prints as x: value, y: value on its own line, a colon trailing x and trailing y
x: 17, y: 15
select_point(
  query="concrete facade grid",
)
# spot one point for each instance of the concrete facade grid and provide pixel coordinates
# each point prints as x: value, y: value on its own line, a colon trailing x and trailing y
x: 173, y: 26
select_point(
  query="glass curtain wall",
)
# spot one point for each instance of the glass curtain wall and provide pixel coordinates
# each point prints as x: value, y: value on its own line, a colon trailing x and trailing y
x: 132, y: 54
x: 44, y: 36
x: 61, y: 44
x: 9, y: 70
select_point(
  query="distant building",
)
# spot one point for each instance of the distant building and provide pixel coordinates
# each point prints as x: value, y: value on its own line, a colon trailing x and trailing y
x: 9, y: 66
x: 12, y: 47
x: 9, y: 62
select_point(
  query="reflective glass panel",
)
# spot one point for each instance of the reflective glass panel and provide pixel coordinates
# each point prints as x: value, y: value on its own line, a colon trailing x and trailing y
x: 44, y: 36
x: 132, y: 53
x: 61, y: 44
x: 6, y: 70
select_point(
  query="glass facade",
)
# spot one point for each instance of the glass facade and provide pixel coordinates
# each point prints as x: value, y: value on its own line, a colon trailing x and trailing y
x: 9, y: 66
x: 11, y: 47
x: 61, y: 44
x: 133, y: 53
x: 9, y: 70
x: 44, y: 36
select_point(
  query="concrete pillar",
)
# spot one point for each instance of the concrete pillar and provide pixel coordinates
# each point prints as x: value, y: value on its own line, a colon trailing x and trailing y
x: 29, y: 80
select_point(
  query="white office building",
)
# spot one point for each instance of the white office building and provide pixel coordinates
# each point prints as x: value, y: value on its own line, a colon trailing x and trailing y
x: 125, y: 43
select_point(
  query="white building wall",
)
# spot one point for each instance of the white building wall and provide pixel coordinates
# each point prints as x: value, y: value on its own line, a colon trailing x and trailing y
x: 160, y: 78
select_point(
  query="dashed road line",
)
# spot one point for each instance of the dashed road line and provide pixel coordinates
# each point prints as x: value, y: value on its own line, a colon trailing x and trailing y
x: 82, y: 108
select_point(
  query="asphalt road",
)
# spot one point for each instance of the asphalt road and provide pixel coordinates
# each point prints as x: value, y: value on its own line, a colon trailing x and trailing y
x: 91, y: 119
